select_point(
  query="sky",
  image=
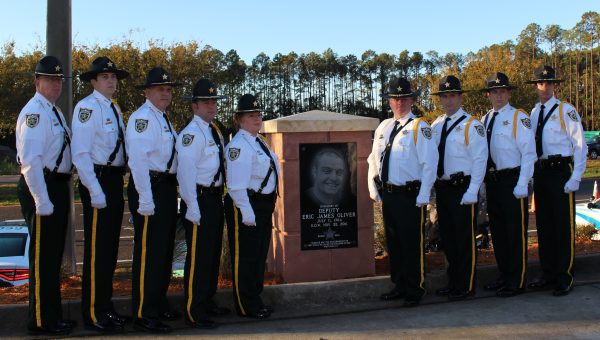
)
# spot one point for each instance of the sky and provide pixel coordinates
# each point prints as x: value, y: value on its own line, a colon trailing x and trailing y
x: 271, y: 26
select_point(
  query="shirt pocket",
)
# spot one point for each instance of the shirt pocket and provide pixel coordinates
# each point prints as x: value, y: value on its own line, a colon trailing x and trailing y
x: 455, y: 146
x: 504, y: 139
x: 261, y: 166
x: 402, y: 144
x: 553, y: 134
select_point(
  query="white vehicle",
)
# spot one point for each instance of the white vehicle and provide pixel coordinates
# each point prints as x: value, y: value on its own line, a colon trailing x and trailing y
x: 14, y: 253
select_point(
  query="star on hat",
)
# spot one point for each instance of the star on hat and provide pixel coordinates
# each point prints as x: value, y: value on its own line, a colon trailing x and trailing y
x: 399, y: 88
x: 447, y: 84
x: 211, y: 90
x: 109, y: 64
x: 255, y: 103
x: 165, y: 77
x: 57, y: 68
x: 545, y: 72
x: 497, y: 81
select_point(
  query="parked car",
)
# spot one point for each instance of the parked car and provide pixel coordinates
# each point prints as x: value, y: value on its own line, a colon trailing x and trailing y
x: 593, y: 144
x: 14, y: 253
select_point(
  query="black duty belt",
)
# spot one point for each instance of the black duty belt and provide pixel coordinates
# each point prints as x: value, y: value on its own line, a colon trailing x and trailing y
x: 56, y: 176
x: 554, y: 162
x: 102, y: 170
x: 498, y: 175
x: 160, y: 176
x: 209, y: 190
x: 457, y: 180
x: 409, y: 187
x: 256, y: 195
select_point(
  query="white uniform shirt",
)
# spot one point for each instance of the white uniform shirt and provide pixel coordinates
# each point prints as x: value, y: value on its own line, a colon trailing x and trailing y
x: 198, y: 158
x: 507, y: 151
x: 471, y: 158
x: 408, y: 161
x: 95, y: 134
x: 149, y: 145
x: 558, y: 141
x: 40, y: 138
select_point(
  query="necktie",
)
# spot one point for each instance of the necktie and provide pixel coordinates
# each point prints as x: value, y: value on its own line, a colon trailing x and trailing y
x: 538, y: 132
x: 66, y: 140
x: 217, y: 138
x: 120, y: 139
x: 490, y: 163
x: 442, y: 149
x: 385, y: 162
x: 273, y: 168
x: 170, y: 163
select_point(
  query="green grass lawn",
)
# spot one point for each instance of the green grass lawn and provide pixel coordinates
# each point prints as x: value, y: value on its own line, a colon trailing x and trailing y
x: 592, y: 169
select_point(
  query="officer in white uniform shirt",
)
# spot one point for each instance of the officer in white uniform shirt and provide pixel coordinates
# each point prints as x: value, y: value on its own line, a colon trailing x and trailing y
x: 152, y: 193
x: 562, y: 152
x: 462, y: 148
x: 201, y: 177
x: 401, y: 173
x: 43, y: 150
x: 252, y: 181
x: 509, y: 169
x: 99, y: 155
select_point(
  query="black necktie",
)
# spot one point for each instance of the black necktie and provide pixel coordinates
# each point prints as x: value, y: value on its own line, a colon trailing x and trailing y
x: 442, y: 149
x: 273, y: 168
x: 490, y: 162
x: 66, y: 140
x: 120, y: 139
x: 538, y: 133
x: 217, y: 138
x: 385, y: 167
x: 170, y: 163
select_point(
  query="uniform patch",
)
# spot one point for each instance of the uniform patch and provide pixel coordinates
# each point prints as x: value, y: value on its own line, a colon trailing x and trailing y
x: 573, y: 115
x: 234, y: 153
x: 480, y: 131
x: 187, y: 139
x: 426, y: 131
x: 32, y: 120
x: 84, y: 114
x: 526, y: 122
x: 141, y: 125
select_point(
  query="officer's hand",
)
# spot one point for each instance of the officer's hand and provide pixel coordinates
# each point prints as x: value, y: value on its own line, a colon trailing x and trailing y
x: 99, y: 201
x: 422, y: 200
x: 571, y: 185
x: 146, y: 209
x: 44, y: 209
x: 248, y: 217
x: 520, y: 191
x: 193, y: 216
x: 468, y: 199
x: 375, y: 197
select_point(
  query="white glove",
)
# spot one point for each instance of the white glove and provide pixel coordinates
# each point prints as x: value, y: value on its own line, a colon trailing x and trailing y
x: 44, y: 209
x: 248, y: 217
x: 571, y: 185
x: 375, y: 197
x: 468, y: 199
x: 193, y: 215
x: 99, y: 201
x: 146, y: 209
x: 422, y: 200
x: 520, y: 191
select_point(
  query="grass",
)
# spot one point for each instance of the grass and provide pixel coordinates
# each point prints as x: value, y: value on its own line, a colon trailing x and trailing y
x: 592, y: 169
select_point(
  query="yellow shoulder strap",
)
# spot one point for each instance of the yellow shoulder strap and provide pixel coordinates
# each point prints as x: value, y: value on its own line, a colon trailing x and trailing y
x: 515, y: 121
x: 467, y: 130
x: 416, y: 129
x: 218, y: 130
x: 264, y: 139
x: 561, y: 116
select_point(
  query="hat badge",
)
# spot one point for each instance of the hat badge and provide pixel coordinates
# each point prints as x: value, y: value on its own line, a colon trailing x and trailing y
x: 497, y: 81
x: 57, y: 68
x: 545, y: 72
x: 255, y: 104
x: 399, y: 88
x: 109, y: 64
x: 447, y: 84
x: 211, y: 90
x: 165, y: 76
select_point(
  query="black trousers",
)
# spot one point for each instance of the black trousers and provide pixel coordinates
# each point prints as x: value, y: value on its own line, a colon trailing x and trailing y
x: 555, y: 221
x: 101, y: 230
x: 457, y: 232
x: 153, y: 249
x: 509, y: 220
x: 249, y: 247
x: 404, y: 223
x: 47, y: 242
x: 204, y: 242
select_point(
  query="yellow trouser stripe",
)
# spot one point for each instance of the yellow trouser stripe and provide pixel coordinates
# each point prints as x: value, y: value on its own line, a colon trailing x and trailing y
x: 38, y: 307
x: 472, y: 246
x: 571, y: 231
x: 523, y: 243
x: 421, y: 249
x: 237, y: 259
x: 93, y: 267
x: 143, y: 266
x: 191, y: 278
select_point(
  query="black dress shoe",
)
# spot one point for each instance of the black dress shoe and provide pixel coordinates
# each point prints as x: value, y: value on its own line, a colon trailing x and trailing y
x: 494, y: 285
x: 562, y: 290
x: 443, y: 291
x: 267, y: 309
x: 507, y: 291
x: 57, y: 329
x: 258, y: 315
x: 218, y: 311
x: 68, y: 323
x: 171, y: 315
x: 118, y: 319
x: 392, y: 295
x: 411, y: 301
x: 458, y: 295
x: 151, y: 325
x: 105, y: 326
x: 202, y: 324
x: 538, y: 283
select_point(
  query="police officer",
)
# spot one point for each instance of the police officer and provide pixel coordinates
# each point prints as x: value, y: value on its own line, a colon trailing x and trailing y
x: 99, y: 155
x: 509, y: 169
x: 461, y: 168
x: 252, y: 180
x: 401, y: 173
x: 43, y: 150
x: 152, y: 193
x: 562, y: 152
x: 201, y: 177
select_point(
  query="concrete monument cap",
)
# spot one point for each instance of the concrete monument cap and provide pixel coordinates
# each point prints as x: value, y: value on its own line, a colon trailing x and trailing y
x: 320, y: 121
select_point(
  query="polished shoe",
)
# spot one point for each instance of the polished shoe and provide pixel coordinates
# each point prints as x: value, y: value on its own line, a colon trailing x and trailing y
x: 443, y: 291
x: 494, y: 285
x: 411, y: 302
x: 68, y: 323
x: 57, y: 329
x: 538, y: 283
x: 267, y: 308
x: 171, y: 315
x: 202, y: 324
x: 118, y: 319
x: 508, y: 291
x: 218, y: 311
x: 105, y: 326
x: 392, y: 295
x: 151, y: 325
x: 258, y: 315
x: 458, y: 295
x: 562, y: 290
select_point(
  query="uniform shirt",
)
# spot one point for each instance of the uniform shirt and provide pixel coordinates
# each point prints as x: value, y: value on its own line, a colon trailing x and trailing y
x: 95, y: 134
x: 40, y: 138
x: 149, y: 144
x: 471, y: 158
x: 507, y: 151
x: 408, y: 161
x: 198, y: 158
x: 247, y: 166
x: 567, y: 142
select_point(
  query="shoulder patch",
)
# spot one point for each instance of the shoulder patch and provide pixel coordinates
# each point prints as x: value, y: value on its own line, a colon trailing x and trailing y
x: 141, y: 125
x: 32, y: 120
x: 480, y: 131
x: 234, y: 153
x: 84, y: 114
x: 426, y: 132
x: 526, y: 122
x: 573, y: 115
x: 187, y: 139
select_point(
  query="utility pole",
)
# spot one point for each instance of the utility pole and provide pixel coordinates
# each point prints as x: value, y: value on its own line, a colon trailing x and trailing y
x: 59, y: 44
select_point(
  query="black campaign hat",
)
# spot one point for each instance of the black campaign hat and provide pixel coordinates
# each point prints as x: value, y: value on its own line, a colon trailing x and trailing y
x: 204, y: 89
x: 157, y: 77
x: 399, y: 87
x: 497, y: 80
x: 448, y: 84
x: 544, y: 73
x: 103, y: 65
x: 247, y: 103
x: 49, y: 66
